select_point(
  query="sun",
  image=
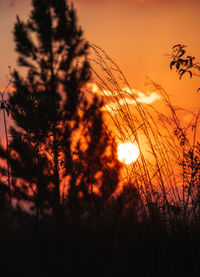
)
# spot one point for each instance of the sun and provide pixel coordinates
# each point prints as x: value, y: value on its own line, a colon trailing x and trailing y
x: 128, y: 152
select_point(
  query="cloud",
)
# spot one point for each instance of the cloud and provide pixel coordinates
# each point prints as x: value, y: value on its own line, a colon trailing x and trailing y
x: 147, y: 98
x: 126, y: 96
x: 143, y: 98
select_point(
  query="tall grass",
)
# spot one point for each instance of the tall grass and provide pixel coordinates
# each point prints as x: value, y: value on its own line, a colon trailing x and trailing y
x: 167, y: 173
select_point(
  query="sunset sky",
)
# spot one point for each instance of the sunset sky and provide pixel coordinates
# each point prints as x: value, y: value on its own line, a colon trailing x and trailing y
x: 136, y: 34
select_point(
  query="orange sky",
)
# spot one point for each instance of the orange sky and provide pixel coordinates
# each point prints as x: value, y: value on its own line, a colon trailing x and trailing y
x: 137, y: 34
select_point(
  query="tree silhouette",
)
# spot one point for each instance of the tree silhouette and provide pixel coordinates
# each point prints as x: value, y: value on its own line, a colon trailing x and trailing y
x: 56, y: 120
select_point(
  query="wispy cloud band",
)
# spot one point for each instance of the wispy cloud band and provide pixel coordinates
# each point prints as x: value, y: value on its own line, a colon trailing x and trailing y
x: 126, y: 96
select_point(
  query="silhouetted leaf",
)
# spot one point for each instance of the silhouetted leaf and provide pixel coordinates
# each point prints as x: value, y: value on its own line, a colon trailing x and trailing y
x: 180, y: 60
x: 181, y: 53
x: 177, y: 66
x: 190, y: 73
x: 182, y: 71
x: 172, y: 64
x: 177, y: 45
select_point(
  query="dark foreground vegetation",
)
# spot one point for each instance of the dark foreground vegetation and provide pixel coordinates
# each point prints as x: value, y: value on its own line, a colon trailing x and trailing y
x: 96, y: 247
x: 83, y: 215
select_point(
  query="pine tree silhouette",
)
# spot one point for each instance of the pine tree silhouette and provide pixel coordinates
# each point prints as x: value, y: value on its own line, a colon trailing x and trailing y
x: 50, y: 107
